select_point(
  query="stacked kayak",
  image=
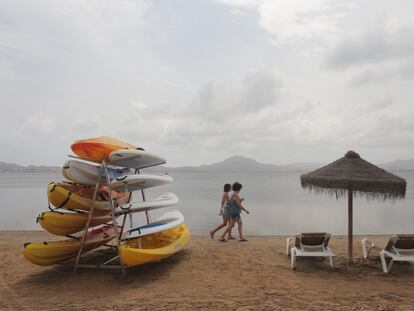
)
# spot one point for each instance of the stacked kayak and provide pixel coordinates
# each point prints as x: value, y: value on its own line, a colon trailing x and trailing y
x: 154, y: 247
x: 50, y: 253
x: 98, y: 189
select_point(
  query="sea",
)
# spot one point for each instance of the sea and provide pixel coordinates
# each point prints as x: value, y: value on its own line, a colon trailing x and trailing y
x: 277, y: 203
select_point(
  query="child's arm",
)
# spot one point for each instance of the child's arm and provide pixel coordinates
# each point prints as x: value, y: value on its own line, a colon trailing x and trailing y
x: 223, y: 199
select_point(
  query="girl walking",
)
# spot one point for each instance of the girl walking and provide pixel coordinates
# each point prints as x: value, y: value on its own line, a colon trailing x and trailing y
x: 224, y: 211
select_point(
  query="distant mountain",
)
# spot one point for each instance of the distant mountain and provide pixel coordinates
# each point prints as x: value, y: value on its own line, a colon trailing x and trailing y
x: 232, y: 164
x: 15, y: 168
x: 244, y: 164
x: 398, y: 165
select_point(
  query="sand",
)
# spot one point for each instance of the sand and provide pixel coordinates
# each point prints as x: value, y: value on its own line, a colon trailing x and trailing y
x: 207, y: 275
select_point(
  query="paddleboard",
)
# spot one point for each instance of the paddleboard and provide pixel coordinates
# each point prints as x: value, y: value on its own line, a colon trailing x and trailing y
x: 154, y: 247
x: 139, y: 181
x: 168, y: 221
x: 87, y: 173
x: 164, y: 200
x: 98, y: 148
x: 135, y: 158
x: 50, y: 253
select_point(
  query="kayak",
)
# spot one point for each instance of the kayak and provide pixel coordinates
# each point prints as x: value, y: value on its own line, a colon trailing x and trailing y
x: 154, y: 247
x: 98, y: 149
x: 135, y: 158
x: 78, y: 197
x: 167, y: 221
x: 50, y: 253
x: 59, y: 223
x: 67, y: 223
x: 87, y: 173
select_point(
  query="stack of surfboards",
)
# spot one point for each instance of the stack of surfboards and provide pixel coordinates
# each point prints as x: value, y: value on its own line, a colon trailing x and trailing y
x: 72, y: 201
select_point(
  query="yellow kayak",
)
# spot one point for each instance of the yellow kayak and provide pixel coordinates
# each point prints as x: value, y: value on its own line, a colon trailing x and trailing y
x: 68, y: 223
x: 50, y: 253
x: 154, y: 247
x: 78, y: 197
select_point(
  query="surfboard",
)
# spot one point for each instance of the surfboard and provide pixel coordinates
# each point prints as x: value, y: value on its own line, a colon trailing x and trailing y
x: 98, y: 148
x: 168, y: 221
x: 139, y: 181
x: 135, y: 158
x: 87, y: 173
x: 164, y: 200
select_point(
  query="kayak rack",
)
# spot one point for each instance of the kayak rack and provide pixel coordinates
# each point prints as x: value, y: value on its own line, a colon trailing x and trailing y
x: 103, y: 171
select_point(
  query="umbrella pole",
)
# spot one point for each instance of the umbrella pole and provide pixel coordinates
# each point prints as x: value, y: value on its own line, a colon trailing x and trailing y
x: 350, y: 221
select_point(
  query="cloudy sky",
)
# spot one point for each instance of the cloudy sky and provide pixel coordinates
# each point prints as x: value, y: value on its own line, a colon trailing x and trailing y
x: 198, y: 81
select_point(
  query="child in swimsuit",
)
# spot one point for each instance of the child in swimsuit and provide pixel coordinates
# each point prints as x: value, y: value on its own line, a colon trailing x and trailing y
x: 224, y: 211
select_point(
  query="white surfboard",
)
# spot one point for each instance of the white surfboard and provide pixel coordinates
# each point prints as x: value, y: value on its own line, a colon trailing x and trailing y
x: 87, y: 173
x: 164, y: 200
x: 136, y: 182
x: 168, y: 221
x: 135, y: 158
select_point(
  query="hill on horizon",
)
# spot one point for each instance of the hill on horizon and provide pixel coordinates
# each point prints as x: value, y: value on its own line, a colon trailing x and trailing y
x: 15, y: 168
x: 245, y: 164
x: 231, y: 164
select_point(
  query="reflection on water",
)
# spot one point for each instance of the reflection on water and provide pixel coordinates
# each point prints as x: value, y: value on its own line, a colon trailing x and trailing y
x: 277, y: 203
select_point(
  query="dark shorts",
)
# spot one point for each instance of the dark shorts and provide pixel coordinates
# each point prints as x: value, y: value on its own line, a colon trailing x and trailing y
x: 235, y: 216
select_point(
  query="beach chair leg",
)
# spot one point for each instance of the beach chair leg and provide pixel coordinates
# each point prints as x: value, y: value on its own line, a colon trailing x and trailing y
x: 332, y: 262
x: 367, y: 247
x: 390, y: 264
x: 293, y: 258
x: 364, y: 249
x: 288, y: 245
x: 384, y: 262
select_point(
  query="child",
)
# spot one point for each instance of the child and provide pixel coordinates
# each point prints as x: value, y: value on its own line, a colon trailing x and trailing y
x: 224, y: 211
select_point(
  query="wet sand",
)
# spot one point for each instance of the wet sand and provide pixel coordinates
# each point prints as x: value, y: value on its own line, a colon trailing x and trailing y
x: 207, y: 275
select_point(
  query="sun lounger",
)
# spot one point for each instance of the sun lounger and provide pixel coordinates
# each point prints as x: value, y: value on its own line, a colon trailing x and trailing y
x: 398, y: 248
x: 313, y: 244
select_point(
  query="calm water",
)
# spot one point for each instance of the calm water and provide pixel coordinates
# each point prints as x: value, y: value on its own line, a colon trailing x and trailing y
x: 277, y: 203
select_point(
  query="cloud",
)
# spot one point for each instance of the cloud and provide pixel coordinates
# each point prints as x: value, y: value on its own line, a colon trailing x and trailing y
x: 379, y: 44
x: 39, y: 122
x: 312, y: 23
x: 250, y: 93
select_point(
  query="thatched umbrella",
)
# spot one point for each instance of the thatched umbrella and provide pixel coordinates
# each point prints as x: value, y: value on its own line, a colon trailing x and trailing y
x: 356, y: 176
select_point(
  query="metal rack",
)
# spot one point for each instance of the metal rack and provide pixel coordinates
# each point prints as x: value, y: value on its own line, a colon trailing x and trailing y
x: 103, y: 171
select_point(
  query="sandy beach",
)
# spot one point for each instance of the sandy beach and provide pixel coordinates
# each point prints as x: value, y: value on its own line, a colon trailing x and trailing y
x: 207, y: 275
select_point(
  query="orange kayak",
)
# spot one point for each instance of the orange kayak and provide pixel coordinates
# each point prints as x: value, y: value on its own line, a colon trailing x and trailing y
x: 98, y: 148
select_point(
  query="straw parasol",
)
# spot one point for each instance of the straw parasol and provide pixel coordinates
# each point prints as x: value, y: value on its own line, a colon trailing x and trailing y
x: 356, y: 176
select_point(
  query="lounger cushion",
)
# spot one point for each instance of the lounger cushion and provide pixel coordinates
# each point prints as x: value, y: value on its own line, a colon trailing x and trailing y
x: 312, y: 239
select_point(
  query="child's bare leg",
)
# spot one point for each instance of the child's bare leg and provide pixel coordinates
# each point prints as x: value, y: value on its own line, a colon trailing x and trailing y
x: 225, y: 222
x: 229, y: 236
x: 230, y: 226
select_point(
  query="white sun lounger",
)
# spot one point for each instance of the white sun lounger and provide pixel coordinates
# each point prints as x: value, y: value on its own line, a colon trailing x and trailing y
x: 398, y: 248
x: 314, y: 244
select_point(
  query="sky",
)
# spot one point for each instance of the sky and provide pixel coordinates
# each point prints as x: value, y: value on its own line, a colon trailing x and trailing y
x: 199, y: 81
